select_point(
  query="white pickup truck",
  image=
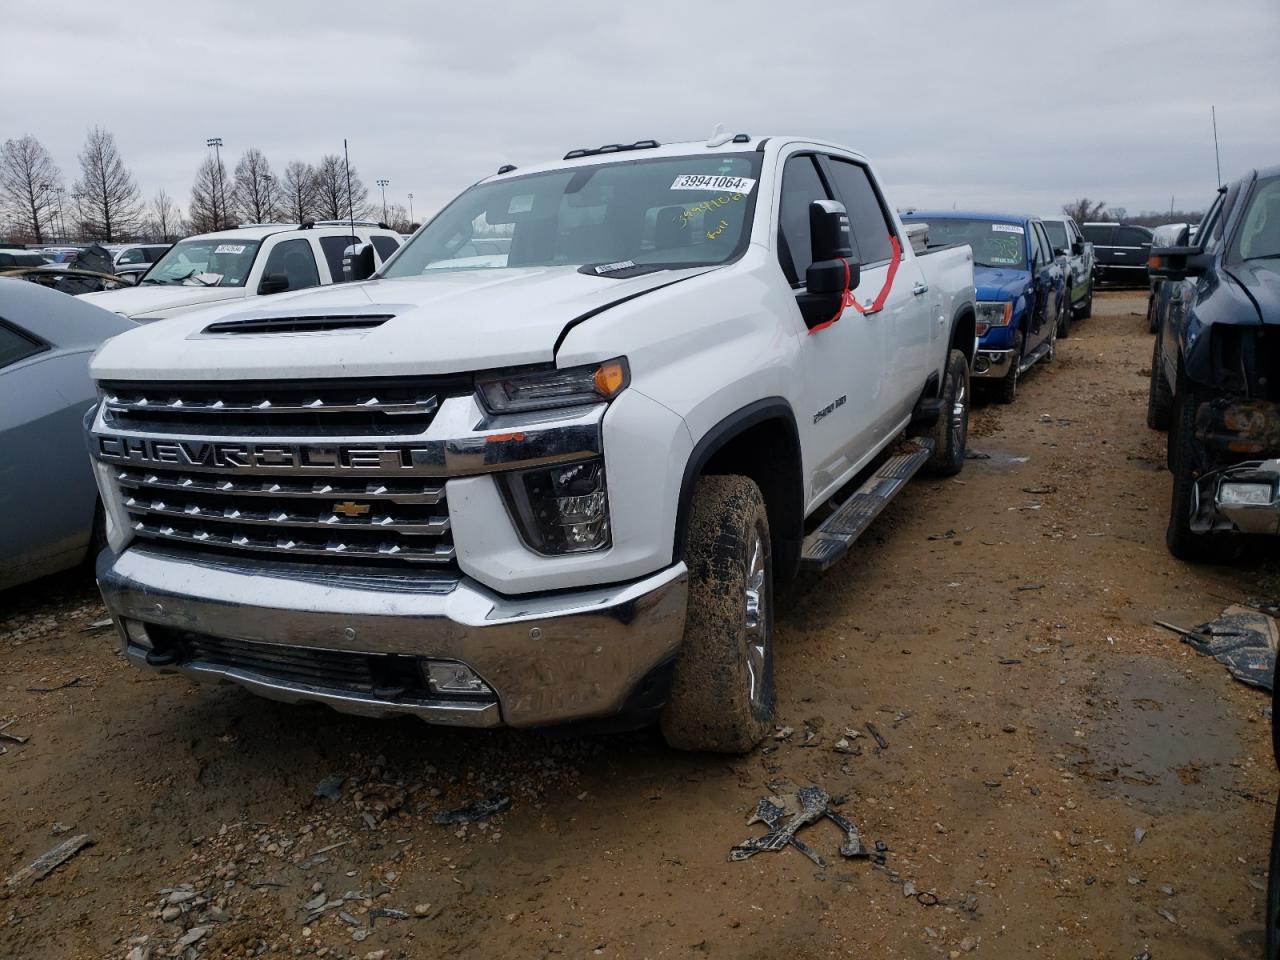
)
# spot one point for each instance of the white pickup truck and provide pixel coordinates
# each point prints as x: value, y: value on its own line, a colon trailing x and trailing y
x: 556, y: 483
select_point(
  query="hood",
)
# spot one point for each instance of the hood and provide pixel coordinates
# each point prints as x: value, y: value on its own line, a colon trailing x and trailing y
x: 139, y: 302
x: 446, y: 322
x: 1000, y: 283
x: 1261, y: 278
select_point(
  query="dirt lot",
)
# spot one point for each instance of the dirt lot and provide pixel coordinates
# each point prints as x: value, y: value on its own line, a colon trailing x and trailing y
x: 996, y: 630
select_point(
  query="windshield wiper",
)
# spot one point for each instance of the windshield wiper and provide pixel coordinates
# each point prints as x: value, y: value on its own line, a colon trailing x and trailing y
x: 1264, y: 256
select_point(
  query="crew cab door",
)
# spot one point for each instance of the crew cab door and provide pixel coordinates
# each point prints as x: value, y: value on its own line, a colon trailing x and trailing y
x: 902, y: 326
x: 841, y: 366
x: 1047, y: 277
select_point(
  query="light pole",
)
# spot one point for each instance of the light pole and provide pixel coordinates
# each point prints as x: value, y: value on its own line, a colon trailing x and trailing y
x: 384, y: 184
x: 411, y: 209
x: 219, y: 192
x: 266, y: 180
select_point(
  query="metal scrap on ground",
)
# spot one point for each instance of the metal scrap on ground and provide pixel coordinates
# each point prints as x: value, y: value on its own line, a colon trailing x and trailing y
x: 480, y: 810
x: 807, y: 805
x: 1242, y: 639
x: 46, y: 863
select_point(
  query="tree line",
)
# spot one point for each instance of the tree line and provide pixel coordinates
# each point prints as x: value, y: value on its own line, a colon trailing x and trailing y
x: 1085, y: 210
x: 106, y: 204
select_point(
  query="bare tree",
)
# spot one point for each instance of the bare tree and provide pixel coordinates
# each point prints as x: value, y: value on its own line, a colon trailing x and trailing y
x: 398, y: 218
x: 110, y: 202
x: 298, y: 192
x: 1084, y: 210
x: 207, y: 210
x: 1117, y: 214
x: 332, y: 201
x: 29, y: 186
x: 165, y: 218
x: 253, y: 194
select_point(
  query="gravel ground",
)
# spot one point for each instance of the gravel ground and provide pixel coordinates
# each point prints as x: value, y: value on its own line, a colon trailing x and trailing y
x: 1059, y: 778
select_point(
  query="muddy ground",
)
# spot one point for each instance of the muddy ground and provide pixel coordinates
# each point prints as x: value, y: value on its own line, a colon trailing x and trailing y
x: 1065, y: 778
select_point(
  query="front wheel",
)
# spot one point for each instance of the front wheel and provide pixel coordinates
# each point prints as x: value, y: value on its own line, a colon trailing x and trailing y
x: 1007, y: 386
x: 1273, y: 892
x: 722, y: 696
x: 951, y: 433
x: 1085, y: 310
x: 1159, y: 396
x: 1064, y: 315
x: 1185, y: 462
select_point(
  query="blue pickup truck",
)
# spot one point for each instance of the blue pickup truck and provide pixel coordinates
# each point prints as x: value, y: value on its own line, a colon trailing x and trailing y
x: 1022, y: 290
x: 1215, y: 371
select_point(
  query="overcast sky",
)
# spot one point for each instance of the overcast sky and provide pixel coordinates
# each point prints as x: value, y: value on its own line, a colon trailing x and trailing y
x: 1018, y: 105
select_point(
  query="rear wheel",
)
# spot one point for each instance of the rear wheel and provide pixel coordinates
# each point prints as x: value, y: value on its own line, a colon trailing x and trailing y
x: 1007, y: 386
x: 1159, y: 396
x: 1064, y: 315
x: 951, y: 433
x: 1186, y: 462
x: 722, y: 695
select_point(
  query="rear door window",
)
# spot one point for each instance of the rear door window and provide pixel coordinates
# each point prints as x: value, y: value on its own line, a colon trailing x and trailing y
x: 333, y: 248
x: 801, y: 185
x: 385, y: 245
x: 16, y: 345
x: 867, y: 218
x: 1132, y: 237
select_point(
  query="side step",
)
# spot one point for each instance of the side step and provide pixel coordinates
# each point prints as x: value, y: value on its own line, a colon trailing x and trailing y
x: 832, y: 540
x: 1034, y: 357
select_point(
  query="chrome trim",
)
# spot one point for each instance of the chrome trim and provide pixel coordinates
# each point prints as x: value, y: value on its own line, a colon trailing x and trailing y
x: 549, y: 658
x: 433, y: 553
x: 425, y: 493
x: 999, y: 360
x: 434, y: 526
x: 423, y: 407
x: 1210, y: 514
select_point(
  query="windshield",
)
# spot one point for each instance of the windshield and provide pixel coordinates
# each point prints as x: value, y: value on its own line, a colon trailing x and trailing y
x: 620, y: 217
x: 994, y: 244
x: 1258, y: 236
x: 1057, y: 231
x: 205, y: 263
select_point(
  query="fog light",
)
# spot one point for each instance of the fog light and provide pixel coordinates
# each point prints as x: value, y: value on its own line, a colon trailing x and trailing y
x: 136, y: 631
x: 562, y: 509
x: 449, y: 678
x: 1244, y: 494
x: 981, y: 365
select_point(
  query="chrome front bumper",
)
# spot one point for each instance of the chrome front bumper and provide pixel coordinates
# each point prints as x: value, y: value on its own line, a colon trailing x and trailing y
x: 548, y: 659
x: 1244, y: 498
x: 992, y: 363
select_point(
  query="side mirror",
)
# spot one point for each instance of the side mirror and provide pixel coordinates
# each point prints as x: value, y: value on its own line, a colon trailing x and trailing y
x: 1059, y: 251
x: 357, y: 262
x: 273, y: 283
x: 833, y: 269
x: 1077, y: 247
x: 1178, y: 263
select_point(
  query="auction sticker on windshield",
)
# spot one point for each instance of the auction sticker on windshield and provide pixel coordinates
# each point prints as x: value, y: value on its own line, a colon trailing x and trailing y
x: 229, y: 248
x: 699, y: 181
x: 1007, y: 228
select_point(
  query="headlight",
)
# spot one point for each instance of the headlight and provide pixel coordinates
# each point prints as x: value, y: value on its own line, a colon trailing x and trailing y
x: 548, y: 389
x: 561, y: 509
x: 993, y: 313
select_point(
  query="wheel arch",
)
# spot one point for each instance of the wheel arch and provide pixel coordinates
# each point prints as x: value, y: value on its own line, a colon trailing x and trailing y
x: 760, y: 441
x: 964, y: 326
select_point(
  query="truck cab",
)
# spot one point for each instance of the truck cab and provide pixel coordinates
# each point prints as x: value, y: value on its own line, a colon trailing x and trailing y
x: 242, y: 263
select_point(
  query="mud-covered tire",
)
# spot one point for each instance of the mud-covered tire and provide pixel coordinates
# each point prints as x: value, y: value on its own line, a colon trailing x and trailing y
x: 1153, y: 323
x: 1085, y: 310
x: 722, y: 694
x: 1006, y: 388
x: 1159, y: 394
x: 1185, y: 463
x: 951, y: 433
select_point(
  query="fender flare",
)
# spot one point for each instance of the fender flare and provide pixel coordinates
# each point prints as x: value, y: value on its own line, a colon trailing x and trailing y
x: 738, y: 422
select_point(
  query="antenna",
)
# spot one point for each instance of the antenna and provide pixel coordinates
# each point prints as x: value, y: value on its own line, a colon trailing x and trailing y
x: 718, y: 137
x: 1216, y: 158
x: 351, y: 214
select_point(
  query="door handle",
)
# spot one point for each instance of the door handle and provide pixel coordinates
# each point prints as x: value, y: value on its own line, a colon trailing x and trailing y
x: 919, y: 288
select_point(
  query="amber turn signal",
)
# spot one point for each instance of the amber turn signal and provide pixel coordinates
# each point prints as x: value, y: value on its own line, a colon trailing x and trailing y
x: 610, y: 378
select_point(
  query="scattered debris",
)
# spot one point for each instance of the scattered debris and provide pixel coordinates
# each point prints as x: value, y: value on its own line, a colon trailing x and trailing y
x: 191, y: 936
x: 1167, y: 915
x: 96, y: 625
x: 330, y: 788
x: 875, y: 735
x: 45, y: 864
x: 975, y: 455
x: 58, y: 828
x: 1030, y: 586
x: 807, y: 805
x: 11, y: 737
x: 949, y: 535
x: 1139, y: 833
x: 1242, y: 639
x: 73, y: 682
x: 1041, y: 489
x: 480, y: 810
x: 391, y: 913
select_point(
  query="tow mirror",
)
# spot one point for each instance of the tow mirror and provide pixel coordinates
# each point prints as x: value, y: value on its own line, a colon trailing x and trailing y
x: 357, y: 262
x: 1077, y: 247
x: 1059, y: 251
x: 1177, y: 263
x: 833, y: 269
x: 273, y: 283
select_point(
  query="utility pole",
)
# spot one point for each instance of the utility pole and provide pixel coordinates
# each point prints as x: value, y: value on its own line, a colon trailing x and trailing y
x: 1216, y: 158
x: 266, y: 181
x: 384, y: 184
x: 219, y: 190
x: 411, y: 209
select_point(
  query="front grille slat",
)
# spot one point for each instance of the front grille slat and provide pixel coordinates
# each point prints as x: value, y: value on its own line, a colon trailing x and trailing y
x: 401, y: 492
x: 144, y: 404
x: 348, y: 547
x: 432, y: 526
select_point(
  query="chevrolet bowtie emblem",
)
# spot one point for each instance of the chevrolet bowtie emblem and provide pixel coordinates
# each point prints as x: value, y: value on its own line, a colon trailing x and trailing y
x: 349, y: 509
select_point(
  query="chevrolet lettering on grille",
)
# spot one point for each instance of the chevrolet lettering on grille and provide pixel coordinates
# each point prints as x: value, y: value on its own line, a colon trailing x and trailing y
x: 242, y: 456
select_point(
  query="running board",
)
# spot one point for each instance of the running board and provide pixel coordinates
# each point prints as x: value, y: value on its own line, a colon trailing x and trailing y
x: 836, y: 535
x: 1034, y: 357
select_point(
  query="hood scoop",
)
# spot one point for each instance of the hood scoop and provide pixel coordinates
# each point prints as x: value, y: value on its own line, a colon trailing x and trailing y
x: 324, y: 323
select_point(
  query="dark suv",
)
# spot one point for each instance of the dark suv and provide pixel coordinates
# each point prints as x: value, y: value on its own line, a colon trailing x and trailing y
x: 1215, y: 371
x: 1120, y: 251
